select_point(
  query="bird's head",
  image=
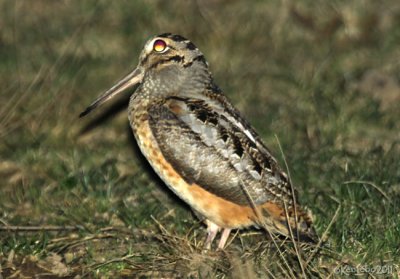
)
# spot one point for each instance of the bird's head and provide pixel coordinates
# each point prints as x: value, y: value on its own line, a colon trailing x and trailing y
x: 166, y: 63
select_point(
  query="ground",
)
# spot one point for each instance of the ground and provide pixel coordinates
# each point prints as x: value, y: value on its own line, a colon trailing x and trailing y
x: 318, y: 80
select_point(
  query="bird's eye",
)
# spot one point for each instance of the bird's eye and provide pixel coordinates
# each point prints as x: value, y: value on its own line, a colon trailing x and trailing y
x: 160, y: 46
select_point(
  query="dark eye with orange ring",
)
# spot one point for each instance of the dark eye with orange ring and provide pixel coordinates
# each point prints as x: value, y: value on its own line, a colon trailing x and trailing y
x: 160, y: 46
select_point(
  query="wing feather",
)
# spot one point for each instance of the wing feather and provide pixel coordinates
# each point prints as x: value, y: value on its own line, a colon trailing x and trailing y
x: 207, y: 147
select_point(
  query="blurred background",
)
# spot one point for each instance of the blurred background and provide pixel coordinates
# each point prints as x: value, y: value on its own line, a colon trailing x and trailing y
x: 319, y: 78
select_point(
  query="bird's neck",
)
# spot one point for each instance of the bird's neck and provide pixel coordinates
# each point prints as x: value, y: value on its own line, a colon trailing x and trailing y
x: 176, y: 80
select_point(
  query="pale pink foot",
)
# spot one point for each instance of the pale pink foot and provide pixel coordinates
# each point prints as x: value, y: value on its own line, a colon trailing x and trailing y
x: 224, y: 238
x: 212, y: 230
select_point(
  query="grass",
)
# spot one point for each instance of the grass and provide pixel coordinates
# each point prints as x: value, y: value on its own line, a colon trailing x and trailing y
x: 322, y: 77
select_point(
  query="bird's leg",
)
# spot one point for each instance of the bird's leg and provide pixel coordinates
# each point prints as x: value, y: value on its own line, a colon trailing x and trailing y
x: 224, y: 238
x: 212, y: 230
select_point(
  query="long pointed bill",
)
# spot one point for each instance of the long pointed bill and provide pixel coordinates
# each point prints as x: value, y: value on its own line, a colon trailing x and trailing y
x: 129, y: 81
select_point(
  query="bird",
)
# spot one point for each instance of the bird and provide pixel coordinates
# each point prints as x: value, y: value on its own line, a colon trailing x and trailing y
x: 202, y: 147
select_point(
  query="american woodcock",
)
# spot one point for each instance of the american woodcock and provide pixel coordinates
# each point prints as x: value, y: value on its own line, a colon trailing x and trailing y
x: 202, y: 148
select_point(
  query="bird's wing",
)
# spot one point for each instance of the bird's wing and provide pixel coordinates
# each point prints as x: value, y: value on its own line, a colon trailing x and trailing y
x: 215, y: 148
